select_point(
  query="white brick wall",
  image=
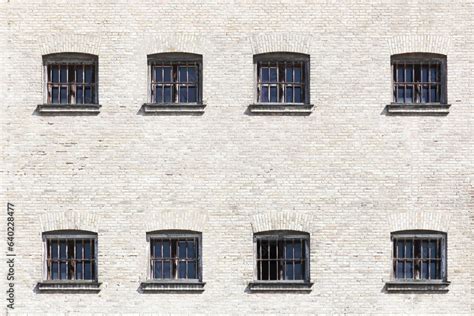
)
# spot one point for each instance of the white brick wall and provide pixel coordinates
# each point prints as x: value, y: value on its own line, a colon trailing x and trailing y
x: 347, y: 174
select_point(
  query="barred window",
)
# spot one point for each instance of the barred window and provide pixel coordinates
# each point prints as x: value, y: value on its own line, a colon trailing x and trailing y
x: 282, y: 256
x: 175, y: 78
x: 282, y: 78
x: 175, y: 256
x: 419, y: 78
x: 71, y: 255
x: 419, y: 256
x: 71, y: 78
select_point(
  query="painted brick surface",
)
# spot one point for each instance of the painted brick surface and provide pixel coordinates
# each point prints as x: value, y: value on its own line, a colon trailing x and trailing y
x: 347, y: 174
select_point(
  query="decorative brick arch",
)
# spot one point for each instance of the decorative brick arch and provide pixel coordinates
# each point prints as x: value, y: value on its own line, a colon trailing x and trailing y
x: 173, y: 220
x: 418, y: 220
x: 269, y: 43
x: 69, y: 220
x: 419, y: 43
x: 76, y: 43
x: 281, y: 221
x: 179, y: 43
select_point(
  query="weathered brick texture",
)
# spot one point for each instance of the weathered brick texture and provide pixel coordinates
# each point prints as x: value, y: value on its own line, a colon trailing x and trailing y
x: 348, y: 174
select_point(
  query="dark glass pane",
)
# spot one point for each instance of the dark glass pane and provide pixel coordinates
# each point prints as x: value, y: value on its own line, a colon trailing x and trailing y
x: 182, y: 249
x: 89, y: 72
x: 62, y: 249
x: 289, y: 271
x: 298, y: 271
x: 265, y: 74
x: 159, y: 94
x: 192, y: 96
x: 298, y: 74
x: 409, y: 270
x: 424, y: 73
x: 79, y: 74
x: 191, y: 249
x: 424, y: 270
x: 79, y: 95
x: 54, y: 95
x: 433, y: 274
x: 158, y: 74
x: 54, y: 74
x: 63, y: 270
x: 79, y: 270
x: 434, y: 74
x: 78, y: 249
x: 166, y: 249
x: 424, y: 94
x: 64, y: 95
x: 167, y: 269
x: 417, y: 73
x: 298, y: 95
x: 157, y: 249
x: 424, y: 249
x: 432, y: 249
x: 400, y: 73
x: 433, y: 95
x: 72, y: 74
x: 409, y: 73
x: 192, y: 270
x: 273, y: 270
x: 182, y: 270
x: 88, y: 95
x: 273, y: 74
x: 400, y: 94
x: 192, y: 74
x: 87, y: 270
x: 289, y: 250
x: 400, y: 249
x: 157, y: 270
x: 298, y: 249
x: 409, y: 94
x: 167, y: 95
x: 182, y: 74
x: 167, y: 74
x: 273, y: 94
x: 273, y: 249
x: 289, y: 94
x: 54, y: 249
x: 400, y: 270
x: 264, y: 94
x: 264, y: 249
x: 408, y: 249
x: 289, y: 74
x: 183, y: 94
x: 87, y: 250
x: 63, y: 74
x: 55, y: 271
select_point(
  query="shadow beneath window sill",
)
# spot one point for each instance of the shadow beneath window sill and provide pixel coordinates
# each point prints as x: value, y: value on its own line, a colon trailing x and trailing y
x: 67, y: 109
x: 279, y: 287
x: 67, y: 287
x: 172, y: 109
x: 281, y: 109
x: 396, y: 109
x: 171, y: 287
x: 416, y: 287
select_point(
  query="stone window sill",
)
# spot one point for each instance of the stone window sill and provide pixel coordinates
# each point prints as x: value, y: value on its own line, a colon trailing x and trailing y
x: 171, y: 286
x: 418, y: 109
x: 279, y: 286
x: 417, y: 286
x: 173, y: 108
x: 68, y: 109
x: 280, y: 109
x: 68, y: 286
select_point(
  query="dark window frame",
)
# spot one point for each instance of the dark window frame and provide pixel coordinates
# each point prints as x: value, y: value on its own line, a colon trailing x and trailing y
x: 175, y: 61
x: 419, y: 235
x: 76, y: 66
x: 417, y: 86
x: 176, y: 236
x: 70, y: 235
x: 283, y: 235
x: 280, y: 60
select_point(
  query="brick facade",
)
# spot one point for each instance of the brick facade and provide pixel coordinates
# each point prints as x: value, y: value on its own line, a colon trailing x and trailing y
x: 348, y: 174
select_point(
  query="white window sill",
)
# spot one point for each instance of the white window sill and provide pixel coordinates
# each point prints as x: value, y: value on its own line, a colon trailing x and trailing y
x: 280, y: 286
x: 68, y: 109
x: 151, y: 286
x: 418, y: 109
x: 417, y: 286
x: 68, y: 286
x: 280, y: 109
x: 173, y: 108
